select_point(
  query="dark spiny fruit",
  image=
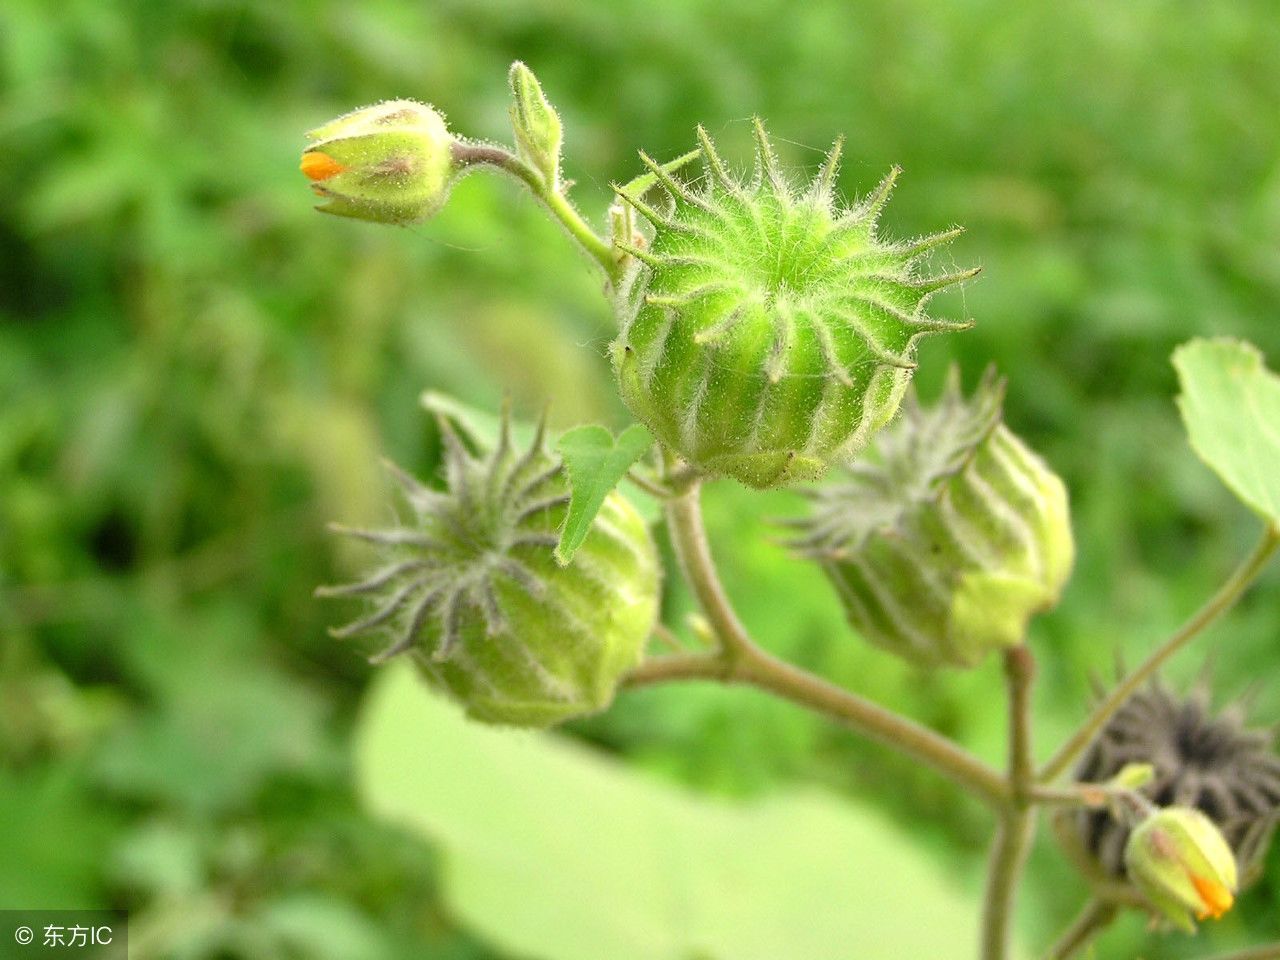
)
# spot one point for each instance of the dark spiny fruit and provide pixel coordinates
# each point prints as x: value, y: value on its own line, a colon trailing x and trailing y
x: 1213, y: 763
x: 947, y: 536
x: 767, y: 332
x: 472, y: 593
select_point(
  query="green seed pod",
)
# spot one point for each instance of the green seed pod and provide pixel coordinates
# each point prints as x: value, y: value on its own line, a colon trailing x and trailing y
x: 1181, y: 862
x: 390, y: 163
x: 472, y: 592
x: 1215, y: 763
x: 946, y: 539
x: 765, y: 332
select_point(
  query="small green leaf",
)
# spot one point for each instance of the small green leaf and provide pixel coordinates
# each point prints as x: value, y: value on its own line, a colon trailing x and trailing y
x: 1230, y: 403
x: 595, y: 463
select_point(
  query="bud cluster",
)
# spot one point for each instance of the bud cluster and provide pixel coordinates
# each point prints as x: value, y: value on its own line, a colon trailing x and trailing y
x: 1214, y: 764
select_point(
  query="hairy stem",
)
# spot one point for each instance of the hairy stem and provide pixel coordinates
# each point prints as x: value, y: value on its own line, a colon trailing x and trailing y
x: 739, y: 660
x: 1093, y: 919
x: 472, y: 154
x: 1218, y: 604
x: 1017, y: 820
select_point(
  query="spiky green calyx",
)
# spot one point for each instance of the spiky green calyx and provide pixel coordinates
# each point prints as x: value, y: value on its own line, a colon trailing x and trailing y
x: 948, y: 536
x: 1214, y: 763
x: 766, y: 331
x: 472, y: 593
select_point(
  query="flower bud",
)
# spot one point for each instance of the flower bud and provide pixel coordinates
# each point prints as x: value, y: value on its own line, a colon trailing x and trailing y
x: 767, y: 332
x: 471, y: 591
x: 390, y: 163
x: 1183, y: 865
x: 948, y: 536
x: 1228, y: 771
x: 536, y: 124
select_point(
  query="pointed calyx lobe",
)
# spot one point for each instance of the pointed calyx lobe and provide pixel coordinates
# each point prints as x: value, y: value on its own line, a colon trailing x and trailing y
x: 470, y: 590
x: 767, y: 331
x: 948, y: 536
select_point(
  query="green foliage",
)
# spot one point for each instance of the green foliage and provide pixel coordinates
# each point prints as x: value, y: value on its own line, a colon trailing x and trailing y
x: 595, y: 463
x: 197, y: 373
x: 1230, y: 403
x: 661, y: 873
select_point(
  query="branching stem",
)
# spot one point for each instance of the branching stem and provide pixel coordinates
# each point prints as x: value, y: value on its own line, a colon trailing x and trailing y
x: 1218, y: 604
x: 473, y: 154
x: 739, y: 660
x: 1268, y: 951
x: 1096, y: 916
x: 1017, y: 819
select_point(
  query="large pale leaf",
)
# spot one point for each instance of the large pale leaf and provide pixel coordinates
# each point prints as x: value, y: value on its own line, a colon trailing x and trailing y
x: 1230, y: 403
x: 552, y: 852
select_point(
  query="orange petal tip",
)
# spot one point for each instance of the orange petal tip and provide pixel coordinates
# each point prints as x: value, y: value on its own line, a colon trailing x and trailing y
x: 1217, y: 898
x: 319, y: 166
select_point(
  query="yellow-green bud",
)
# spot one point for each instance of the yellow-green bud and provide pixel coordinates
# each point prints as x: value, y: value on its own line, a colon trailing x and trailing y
x: 536, y: 124
x: 948, y: 536
x: 1183, y: 865
x: 390, y: 163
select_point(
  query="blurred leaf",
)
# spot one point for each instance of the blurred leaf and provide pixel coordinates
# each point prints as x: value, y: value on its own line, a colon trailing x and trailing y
x: 56, y: 839
x: 595, y: 463
x: 478, y: 426
x: 225, y: 720
x: 323, y: 928
x: 1230, y: 403
x: 555, y: 853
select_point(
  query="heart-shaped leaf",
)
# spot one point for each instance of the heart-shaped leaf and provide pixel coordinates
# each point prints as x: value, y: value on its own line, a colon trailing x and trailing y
x: 595, y: 463
x: 1230, y: 403
x: 554, y: 852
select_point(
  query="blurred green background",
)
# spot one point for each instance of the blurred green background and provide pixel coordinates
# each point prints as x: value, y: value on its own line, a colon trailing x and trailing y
x: 197, y: 373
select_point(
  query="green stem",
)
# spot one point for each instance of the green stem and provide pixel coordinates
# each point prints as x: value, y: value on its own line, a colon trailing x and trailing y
x: 1096, y: 916
x: 1218, y: 604
x: 1268, y: 951
x: 1017, y: 820
x: 1088, y: 795
x: 472, y: 154
x: 739, y: 660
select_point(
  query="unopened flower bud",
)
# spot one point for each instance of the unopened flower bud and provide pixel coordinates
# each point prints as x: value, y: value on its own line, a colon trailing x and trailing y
x: 768, y: 331
x: 390, y: 163
x: 536, y: 124
x: 947, y: 537
x: 1183, y: 865
x: 1213, y: 762
x: 471, y: 591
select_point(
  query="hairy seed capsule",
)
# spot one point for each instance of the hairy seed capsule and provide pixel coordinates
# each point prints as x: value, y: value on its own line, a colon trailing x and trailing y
x: 765, y: 332
x: 948, y: 536
x: 1216, y: 764
x: 472, y: 593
